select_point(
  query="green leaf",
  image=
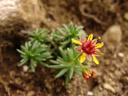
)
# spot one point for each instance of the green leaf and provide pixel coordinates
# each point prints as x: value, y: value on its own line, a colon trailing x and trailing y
x: 35, y: 44
x: 40, y: 50
x: 86, y: 66
x: 79, y: 28
x: 21, y: 52
x: 26, y: 46
x: 63, y: 44
x: 32, y: 65
x: 67, y: 78
x: 23, y: 56
x: 54, y: 62
x: 37, y: 31
x: 23, y: 48
x: 30, y: 33
x: 58, y: 36
x: 79, y: 72
x: 62, y: 72
x: 60, y: 30
x: 23, y: 61
x: 71, y: 27
x: 43, y: 64
x: 66, y: 28
x: 63, y: 53
x: 45, y: 55
x: 61, y: 61
x: 38, y: 58
x: 29, y: 45
x: 56, y: 66
x: 70, y: 53
x: 71, y: 71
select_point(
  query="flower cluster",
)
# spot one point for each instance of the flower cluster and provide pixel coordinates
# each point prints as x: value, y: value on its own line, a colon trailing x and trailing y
x: 89, y: 49
x: 88, y: 74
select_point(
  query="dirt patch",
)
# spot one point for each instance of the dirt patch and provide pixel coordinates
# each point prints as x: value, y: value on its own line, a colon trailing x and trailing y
x: 96, y: 16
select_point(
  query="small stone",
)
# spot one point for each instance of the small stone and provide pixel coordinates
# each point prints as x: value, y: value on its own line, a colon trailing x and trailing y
x: 112, y: 37
x: 89, y: 93
x: 25, y: 68
x: 118, y: 73
x: 121, y: 54
x: 109, y: 87
x: 100, y: 88
x: 31, y: 93
x: 126, y: 16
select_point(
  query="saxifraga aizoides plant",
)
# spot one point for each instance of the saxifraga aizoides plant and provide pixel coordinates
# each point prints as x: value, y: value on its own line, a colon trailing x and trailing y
x: 66, y: 49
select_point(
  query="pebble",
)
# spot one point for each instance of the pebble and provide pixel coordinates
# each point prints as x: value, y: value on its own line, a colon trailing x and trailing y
x: 112, y: 37
x: 121, y: 54
x: 31, y: 93
x: 109, y: 87
x: 117, y: 73
x: 89, y: 93
x: 25, y: 68
x: 100, y: 88
x: 126, y: 16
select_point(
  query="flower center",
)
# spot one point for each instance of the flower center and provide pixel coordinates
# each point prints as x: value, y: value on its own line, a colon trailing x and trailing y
x: 88, y: 47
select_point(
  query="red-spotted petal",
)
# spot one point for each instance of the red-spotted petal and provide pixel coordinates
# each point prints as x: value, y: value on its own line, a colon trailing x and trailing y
x: 97, y: 52
x: 94, y: 41
x: 82, y: 40
x: 78, y: 48
x: 89, y: 57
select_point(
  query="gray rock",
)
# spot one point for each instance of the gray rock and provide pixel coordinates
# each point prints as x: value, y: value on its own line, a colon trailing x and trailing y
x: 112, y: 37
x: 109, y: 87
x: 17, y: 13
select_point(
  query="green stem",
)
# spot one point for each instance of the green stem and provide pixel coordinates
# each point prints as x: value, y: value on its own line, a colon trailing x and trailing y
x: 78, y: 55
x: 76, y: 58
x: 82, y: 66
x: 80, y: 63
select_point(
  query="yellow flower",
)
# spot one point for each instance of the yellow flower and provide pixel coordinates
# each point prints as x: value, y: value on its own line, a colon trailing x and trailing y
x: 89, y: 48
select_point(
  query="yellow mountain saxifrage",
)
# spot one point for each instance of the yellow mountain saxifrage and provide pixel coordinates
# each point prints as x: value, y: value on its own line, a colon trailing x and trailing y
x: 88, y: 46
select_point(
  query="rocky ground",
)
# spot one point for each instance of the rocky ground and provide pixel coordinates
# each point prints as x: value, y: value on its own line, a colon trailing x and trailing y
x: 105, y: 18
